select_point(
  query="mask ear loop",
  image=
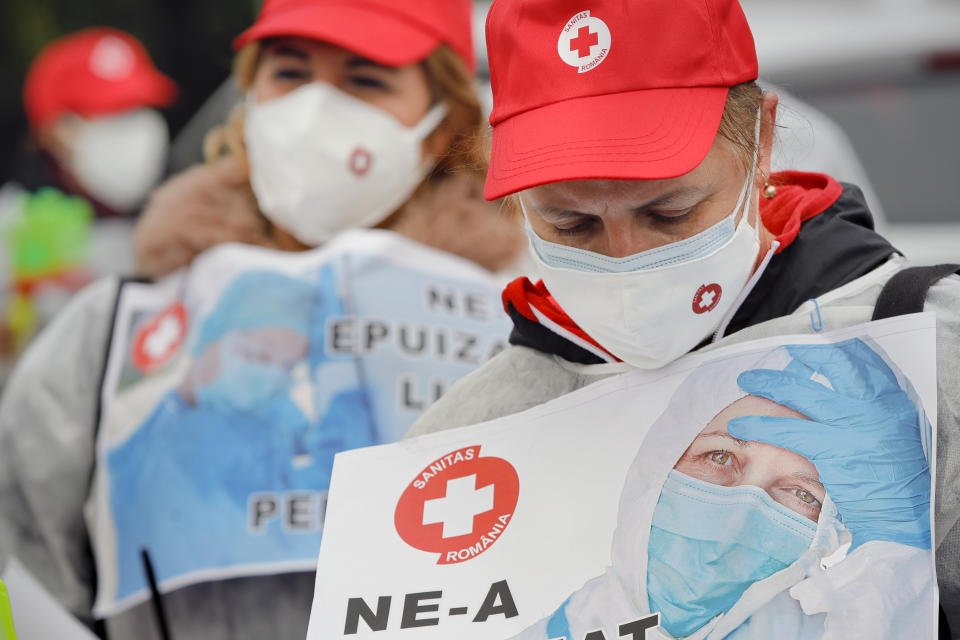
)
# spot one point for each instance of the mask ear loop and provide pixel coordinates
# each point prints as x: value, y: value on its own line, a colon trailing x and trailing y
x: 526, y: 216
x: 751, y: 178
x: 429, y: 122
x: 422, y: 130
x: 752, y: 281
x: 527, y: 227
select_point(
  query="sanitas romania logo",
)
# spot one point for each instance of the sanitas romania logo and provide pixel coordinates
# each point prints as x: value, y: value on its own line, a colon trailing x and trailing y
x: 584, y: 42
x: 459, y: 505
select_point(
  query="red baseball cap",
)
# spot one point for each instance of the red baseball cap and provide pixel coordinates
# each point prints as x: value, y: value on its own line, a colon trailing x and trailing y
x: 93, y: 72
x: 392, y: 32
x: 608, y: 89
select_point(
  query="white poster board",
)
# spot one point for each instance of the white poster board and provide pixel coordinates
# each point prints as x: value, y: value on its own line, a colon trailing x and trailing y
x: 628, y: 510
x: 229, y: 388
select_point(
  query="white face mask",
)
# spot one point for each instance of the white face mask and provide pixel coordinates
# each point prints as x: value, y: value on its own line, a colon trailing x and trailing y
x: 322, y: 161
x: 650, y: 308
x: 118, y: 159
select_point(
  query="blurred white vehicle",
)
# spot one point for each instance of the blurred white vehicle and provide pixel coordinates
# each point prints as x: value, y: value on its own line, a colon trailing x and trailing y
x: 888, y: 73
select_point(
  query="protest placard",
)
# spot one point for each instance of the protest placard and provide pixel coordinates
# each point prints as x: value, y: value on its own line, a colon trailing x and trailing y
x: 778, y: 488
x: 229, y: 388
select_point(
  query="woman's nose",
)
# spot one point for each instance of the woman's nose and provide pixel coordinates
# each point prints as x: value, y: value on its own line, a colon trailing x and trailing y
x: 760, y: 476
x: 623, y: 238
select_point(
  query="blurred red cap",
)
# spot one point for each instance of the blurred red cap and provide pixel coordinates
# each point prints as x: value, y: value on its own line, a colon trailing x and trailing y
x: 607, y: 89
x: 93, y: 72
x: 392, y: 32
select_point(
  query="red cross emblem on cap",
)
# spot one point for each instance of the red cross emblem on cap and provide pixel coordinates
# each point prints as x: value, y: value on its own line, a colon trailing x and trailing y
x: 112, y: 58
x: 707, y: 298
x: 584, y: 42
x: 158, y: 340
x: 459, y: 505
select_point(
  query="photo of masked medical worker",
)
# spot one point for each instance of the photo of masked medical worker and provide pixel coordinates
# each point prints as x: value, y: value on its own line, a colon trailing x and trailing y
x: 777, y: 518
x: 205, y: 482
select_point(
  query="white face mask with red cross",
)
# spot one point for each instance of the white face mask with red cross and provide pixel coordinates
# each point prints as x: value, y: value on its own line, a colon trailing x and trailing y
x: 322, y: 161
x: 650, y: 308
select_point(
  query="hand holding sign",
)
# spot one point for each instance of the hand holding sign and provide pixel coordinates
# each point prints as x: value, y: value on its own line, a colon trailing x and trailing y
x: 863, y: 436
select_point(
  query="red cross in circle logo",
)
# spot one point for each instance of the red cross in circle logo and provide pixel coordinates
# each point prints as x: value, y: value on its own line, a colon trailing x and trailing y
x: 584, y: 41
x: 459, y: 505
x: 360, y: 161
x: 707, y: 298
x: 158, y: 340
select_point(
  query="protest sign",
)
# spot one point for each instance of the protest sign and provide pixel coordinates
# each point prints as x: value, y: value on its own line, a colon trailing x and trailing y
x: 778, y: 488
x: 230, y: 387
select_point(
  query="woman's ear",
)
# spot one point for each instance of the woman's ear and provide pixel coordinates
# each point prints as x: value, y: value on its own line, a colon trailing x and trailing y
x: 768, y: 125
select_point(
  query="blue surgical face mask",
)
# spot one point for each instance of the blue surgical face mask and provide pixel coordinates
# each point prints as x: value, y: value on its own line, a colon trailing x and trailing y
x: 687, y: 250
x: 708, y: 543
x: 243, y: 385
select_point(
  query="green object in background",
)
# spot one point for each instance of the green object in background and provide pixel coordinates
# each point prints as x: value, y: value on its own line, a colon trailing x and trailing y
x: 51, y: 236
x: 7, y: 632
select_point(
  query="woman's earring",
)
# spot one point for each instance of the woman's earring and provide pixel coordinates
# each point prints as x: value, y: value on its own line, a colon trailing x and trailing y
x: 769, y: 191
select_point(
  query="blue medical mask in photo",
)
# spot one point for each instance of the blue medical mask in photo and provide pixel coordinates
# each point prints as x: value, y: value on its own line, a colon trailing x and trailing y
x: 709, y: 543
x: 243, y: 384
x: 687, y: 250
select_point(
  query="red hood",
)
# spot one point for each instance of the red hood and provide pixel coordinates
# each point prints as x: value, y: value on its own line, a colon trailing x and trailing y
x: 800, y: 196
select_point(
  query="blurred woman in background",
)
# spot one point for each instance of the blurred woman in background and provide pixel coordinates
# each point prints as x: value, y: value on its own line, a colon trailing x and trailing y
x: 97, y: 147
x: 356, y: 116
x: 287, y: 170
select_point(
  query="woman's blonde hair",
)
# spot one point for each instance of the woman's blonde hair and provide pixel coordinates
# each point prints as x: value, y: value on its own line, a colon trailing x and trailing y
x: 739, y: 120
x: 449, y: 79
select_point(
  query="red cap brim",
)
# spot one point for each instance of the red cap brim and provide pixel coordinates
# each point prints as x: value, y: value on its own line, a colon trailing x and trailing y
x: 370, y: 33
x: 640, y: 135
x: 141, y: 89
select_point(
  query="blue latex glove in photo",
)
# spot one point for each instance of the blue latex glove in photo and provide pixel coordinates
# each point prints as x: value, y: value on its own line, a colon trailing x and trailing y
x: 863, y: 436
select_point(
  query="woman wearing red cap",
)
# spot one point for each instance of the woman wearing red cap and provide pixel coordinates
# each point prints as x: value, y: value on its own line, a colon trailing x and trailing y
x: 97, y: 146
x: 91, y: 99
x: 357, y: 114
x: 640, y: 153
x: 354, y: 117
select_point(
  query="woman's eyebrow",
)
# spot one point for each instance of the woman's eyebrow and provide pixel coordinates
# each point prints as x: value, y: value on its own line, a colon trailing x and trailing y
x: 289, y: 51
x: 806, y: 477
x: 725, y: 435
x: 359, y: 62
x: 560, y: 212
x: 684, y: 194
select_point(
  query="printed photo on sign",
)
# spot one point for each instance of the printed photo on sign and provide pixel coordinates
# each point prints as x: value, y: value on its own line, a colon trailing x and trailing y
x: 783, y: 484
x: 230, y: 388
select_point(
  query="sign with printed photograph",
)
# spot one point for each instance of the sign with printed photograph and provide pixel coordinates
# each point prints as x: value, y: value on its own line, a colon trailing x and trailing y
x: 778, y: 488
x: 230, y: 387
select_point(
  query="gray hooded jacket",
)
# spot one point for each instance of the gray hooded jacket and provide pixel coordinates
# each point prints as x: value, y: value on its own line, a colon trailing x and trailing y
x: 522, y: 377
x: 48, y: 418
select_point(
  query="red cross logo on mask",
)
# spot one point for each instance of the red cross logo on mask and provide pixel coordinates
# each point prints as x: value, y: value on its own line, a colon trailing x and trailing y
x: 707, y: 298
x: 360, y: 161
x: 584, y: 41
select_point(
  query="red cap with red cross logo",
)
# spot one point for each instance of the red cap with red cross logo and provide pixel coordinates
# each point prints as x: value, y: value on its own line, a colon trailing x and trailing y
x: 392, y: 32
x: 93, y: 72
x: 607, y: 89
